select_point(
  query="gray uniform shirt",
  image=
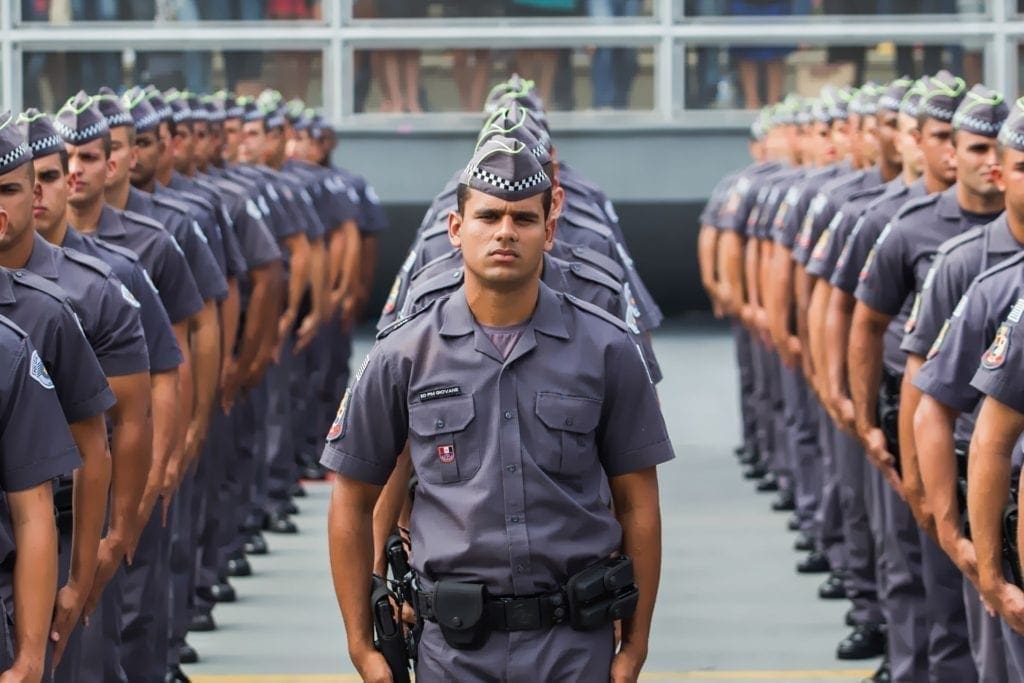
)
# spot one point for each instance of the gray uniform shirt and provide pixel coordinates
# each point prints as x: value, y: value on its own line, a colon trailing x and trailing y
x: 512, y: 454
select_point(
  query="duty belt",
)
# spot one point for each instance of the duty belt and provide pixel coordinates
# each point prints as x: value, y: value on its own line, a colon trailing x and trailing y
x: 511, y: 613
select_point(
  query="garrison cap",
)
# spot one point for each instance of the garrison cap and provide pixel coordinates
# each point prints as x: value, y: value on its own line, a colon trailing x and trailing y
x: 943, y: 94
x: 894, y: 93
x: 1012, y: 133
x: 112, y: 109
x: 504, y: 168
x: 199, y: 111
x: 982, y: 112
x: 294, y: 110
x: 43, y: 138
x: 143, y: 113
x: 529, y: 99
x: 317, y: 126
x: 911, y: 104
x: 79, y: 121
x: 14, y: 149
x: 515, y: 121
x: 304, y: 120
x: 803, y: 112
x: 214, y: 107
x: 232, y: 109
x: 181, y: 111
x: 159, y: 104
x: 865, y: 102
x: 274, y: 115
x: 784, y: 113
x: 761, y: 125
x: 838, y: 102
x: 250, y: 110
x: 514, y: 84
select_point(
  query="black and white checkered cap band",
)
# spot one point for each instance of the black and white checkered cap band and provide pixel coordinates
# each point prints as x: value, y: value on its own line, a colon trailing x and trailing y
x: 1010, y: 136
x: 254, y: 115
x: 182, y: 115
x: 77, y: 137
x: 936, y: 112
x: 889, y: 103
x: 51, y: 144
x: 512, y: 187
x: 200, y: 114
x: 121, y: 118
x: 236, y: 112
x: 15, y: 158
x: 275, y: 120
x: 974, y: 124
x: 148, y: 122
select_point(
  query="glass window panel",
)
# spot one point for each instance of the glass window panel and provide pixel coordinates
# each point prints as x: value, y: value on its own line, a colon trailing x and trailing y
x: 410, y: 81
x: 51, y: 77
x: 542, y: 9
x: 67, y: 11
x: 748, y: 76
x: 804, y: 8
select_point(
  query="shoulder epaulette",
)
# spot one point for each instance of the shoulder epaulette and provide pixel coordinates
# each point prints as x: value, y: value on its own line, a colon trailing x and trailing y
x: 402, y: 322
x: 917, y: 204
x: 841, y: 182
x: 41, y: 284
x: 451, y: 279
x: 596, y: 311
x: 90, y: 262
x: 599, y: 261
x: 434, y: 231
x: 588, y: 224
x: 4, y: 320
x: 437, y: 260
x: 117, y: 249
x: 139, y: 219
x: 867, y: 193
x: 1012, y: 262
x: 957, y: 241
x: 198, y: 199
x: 170, y: 203
x: 592, y: 274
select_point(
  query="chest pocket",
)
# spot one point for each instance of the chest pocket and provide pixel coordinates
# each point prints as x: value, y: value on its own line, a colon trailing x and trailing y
x: 442, y: 451
x: 572, y: 420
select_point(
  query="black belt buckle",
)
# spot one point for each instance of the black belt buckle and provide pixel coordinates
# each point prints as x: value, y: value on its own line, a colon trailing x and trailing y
x: 522, y: 614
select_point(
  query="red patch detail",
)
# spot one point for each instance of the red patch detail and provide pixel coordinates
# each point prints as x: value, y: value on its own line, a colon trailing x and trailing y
x: 446, y: 453
x: 996, y: 354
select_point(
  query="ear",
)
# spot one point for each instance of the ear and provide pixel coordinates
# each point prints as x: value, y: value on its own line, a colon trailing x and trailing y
x: 550, y: 225
x: 998, y: 178
x: 4, y: 221
x: 454, y: 228
x: 557, y: 201
x: 133, y: 157
x: 111, y: 167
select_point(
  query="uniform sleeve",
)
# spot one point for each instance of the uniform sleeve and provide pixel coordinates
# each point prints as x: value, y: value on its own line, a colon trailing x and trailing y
x: 283, y: 222
x: 817, y: 218
x: 822, y: 259
x: 175, y: 284
x: 234, y: 260
x: 953, y: 356
x: 372, y: 423
x: 998, y: 375
x: 303, y: 202
x: 338, y: 208
x: 35, y: 442
x: 79, y: 380
x: 162, y: 345
x: 942, y: 289
x: 209, y: 277
x: 885, y: 281
x: 119, y: 341
x: 255, y: 239
x: 632, y: 435
x: 789, y: 218
x: 376, y: 219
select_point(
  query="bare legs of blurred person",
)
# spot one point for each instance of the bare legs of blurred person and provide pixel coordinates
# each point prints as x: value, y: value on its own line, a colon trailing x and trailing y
x: 540, y: 66
x: 471, y: 79
x: 394, y: 64
x: 750, y: 76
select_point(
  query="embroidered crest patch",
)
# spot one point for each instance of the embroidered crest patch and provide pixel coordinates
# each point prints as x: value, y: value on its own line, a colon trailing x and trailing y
x: 996, y: 354
x: 129, y: 297
x: 338, y: 426
x: 446, y: 453
x: 38, y: 371
x: 937, y: 344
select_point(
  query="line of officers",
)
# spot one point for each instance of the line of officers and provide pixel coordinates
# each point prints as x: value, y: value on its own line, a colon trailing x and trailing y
x: 872, y: 260
x: 179, y: 275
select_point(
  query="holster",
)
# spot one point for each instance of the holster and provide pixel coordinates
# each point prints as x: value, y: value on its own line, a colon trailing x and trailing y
x: 1010, y: 550
x: 459, y: 611
x: 889, y: 413
x: 63, y: 501
x: 961, y: 450
x: 388, y: 635
x: 602, y: 593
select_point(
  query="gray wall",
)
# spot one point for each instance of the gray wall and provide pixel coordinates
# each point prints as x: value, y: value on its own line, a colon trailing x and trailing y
x: 658, y: 179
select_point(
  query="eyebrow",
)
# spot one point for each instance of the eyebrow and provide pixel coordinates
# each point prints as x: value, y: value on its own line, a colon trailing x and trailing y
x: 495, y: 213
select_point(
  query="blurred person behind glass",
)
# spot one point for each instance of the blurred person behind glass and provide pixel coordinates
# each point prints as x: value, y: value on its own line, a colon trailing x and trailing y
x: 472, y: 68
x: 541, y: 65
x: 757, y: 60
x: 398, y: 71
x: 612, y: 68
x: 708, y: 79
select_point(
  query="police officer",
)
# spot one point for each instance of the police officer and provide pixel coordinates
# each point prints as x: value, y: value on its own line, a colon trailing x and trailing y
x: 902, y: 255
x: 502, y: 320
x: 110, y: 318
x: 35, y: 448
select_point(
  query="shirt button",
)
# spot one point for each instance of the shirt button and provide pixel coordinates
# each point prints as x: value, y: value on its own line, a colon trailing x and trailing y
x: 515, y: 518
x: 575, y: 267
x: 521, y: 569
x: 508, y: 414
x: 568, y: 422
x: 439, y: 424
x: 510, y: 468
x: 19, y: 273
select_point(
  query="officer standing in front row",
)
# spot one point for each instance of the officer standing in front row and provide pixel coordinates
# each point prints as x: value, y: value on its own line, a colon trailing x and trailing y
x: 500, y: 427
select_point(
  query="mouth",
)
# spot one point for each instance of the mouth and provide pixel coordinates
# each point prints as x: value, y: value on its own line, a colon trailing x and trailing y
x: 38, y: 211
x: 504, y: 255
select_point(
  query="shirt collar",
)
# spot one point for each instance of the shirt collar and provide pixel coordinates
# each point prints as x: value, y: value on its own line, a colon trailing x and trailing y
x: 43, y: 260
x: 948, y: 207
x: 137, y: 201
x: 548, y: 317
x: 7, y: 287
x: 1002, y: 240
x: 110, y: 224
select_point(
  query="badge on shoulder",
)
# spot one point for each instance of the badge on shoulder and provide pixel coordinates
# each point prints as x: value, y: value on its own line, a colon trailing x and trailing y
x: 996, y: 354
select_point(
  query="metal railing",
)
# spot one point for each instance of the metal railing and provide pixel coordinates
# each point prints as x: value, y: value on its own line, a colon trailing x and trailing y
x: 666, y: 32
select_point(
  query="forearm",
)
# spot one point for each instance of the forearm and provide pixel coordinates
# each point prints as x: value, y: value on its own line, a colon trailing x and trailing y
x: 298, y: 264
x: 350, y: 535
x: 751, y: 271
x: 89, y: 502
x: 318, y: 278
x: 205, y: 369
x: 389, y: 507
x: 335, y: 259
x: 254, y: 329
x: 166, y: 436
x: 837, y: 337
x: 132, y: 453
x: 230, y: 315
x: 730, y: 272
x: 910, y: 398
x: 936, y: 461
x: 780, y: 303
x: 707, y: 240
x: 865, y: 368
x: 816, y: 334
x: 186, y: 389
x: 639, y: 515
x: 35, y: 572
x: 354, y: 276
x: 802, y: 284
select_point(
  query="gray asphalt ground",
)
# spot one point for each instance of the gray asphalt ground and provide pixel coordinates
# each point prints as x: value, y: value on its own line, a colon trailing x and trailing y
x: 731, y: 607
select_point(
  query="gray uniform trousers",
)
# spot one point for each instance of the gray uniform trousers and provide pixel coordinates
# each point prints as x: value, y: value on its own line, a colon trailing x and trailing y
x: 71, y: 661
x: 744, y: 362
x: 212, y: 509
x: 280, y: 470
x: 247, y: 418
x: 860, y: 578
x: 828, y: 519
x: 554, y: 654
x: 782, y: 457
x: 986, y: 637
x: 308, y: 384
x: 763, y: 404
x: 1013, y: 643
x: 101, y: 639
x: 949, y: 651
x: 181, y: 561
x: 145, y: 612
x: 902, y: 591
x: 801, y: 416
x: 338, y: 353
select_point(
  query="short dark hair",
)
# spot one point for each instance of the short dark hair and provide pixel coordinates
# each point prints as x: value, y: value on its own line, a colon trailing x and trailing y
x: 108, y: 144
x: 63, y: 154
x: 462, y: 196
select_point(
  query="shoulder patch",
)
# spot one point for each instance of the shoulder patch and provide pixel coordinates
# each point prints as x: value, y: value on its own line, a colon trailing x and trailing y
x: 590, y: 308
x: 22, y: 334
x: 822, y: 246
x: 995, y: 356
x: 599, y: 261
x: 170, y: 203
x: 38, y: 371
x: 129, y: 298
x: 30, y: 279
x: 145, y: 221
x: 337, y: 429
x: 937, y: 344
x: 86, y: 261
x: 964, y: 238
x: 592, y: 274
